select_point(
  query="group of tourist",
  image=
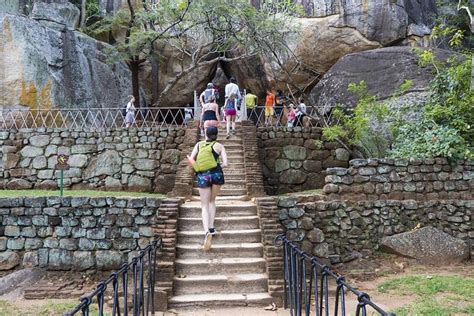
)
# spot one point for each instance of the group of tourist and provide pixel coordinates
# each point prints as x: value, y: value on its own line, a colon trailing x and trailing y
x: 277, y: 108
x: 210, y: 113
x: 277, y: 104
x: 204, y: 158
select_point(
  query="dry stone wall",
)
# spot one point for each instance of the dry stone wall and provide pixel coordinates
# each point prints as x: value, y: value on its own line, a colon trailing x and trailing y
x: 79, y: 233
x: 341, y: 231
x: 414, y: 179
x: 295, y: 159
x: 143, y: 159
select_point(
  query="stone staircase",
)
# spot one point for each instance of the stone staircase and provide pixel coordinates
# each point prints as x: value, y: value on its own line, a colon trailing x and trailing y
x: 233, y: 271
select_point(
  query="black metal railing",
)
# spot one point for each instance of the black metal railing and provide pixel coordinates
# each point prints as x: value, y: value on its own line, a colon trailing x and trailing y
x: 306, y: 284
x: 135, y: 279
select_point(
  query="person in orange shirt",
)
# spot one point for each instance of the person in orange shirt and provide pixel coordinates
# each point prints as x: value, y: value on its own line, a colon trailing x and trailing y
x: 269, y: 104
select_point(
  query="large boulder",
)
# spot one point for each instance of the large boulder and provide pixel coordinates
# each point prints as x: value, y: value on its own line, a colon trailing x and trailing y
x: 428, y: 245
x: 384, y: 21
x: 170, y: 66
x: 64, y: 14
x: 52, y: 66
x: 383, y: 70
x: 333, y: 29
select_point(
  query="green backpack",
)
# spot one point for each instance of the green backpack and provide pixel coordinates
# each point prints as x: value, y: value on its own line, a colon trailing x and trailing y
x: 205, y: 158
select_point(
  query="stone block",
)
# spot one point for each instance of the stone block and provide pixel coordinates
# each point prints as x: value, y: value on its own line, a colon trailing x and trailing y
x: 40, y: 220
x: 39, y: 162
x: 12, y: 231
x: 3, y: 243
x: 60, y: 259
x: 342, y: 154
x: 31, y: 151
x: 28, y: 231
x: 33, y: 243
x: 136, y: 202
x: 30, y: 259
x: 125, y: 244
x: 83, y: 260
x: 68, y: 244
x: 19, y: 184
x: 88, y: 222
x: 86, y: 244
x: 109, y: 260
x: 8, y: 260
x: 96, y: 233
x: 69, y: 221
x: 79, y: 201
x: 145, y: 232
x: 16, y: 244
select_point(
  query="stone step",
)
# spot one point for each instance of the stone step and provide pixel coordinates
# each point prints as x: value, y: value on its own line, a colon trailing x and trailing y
x: 220, y: 223
x: 233, y: 160
x: 225, y: 198
x: 234, y: 176
x: 193, y: 209
x: 234, y: 181
x: 221, y: 300
x: 207, y: 284
x: 233, y: 146
x: 225, y: 192
x: 249, y: 250
x: 197, y: 266
x: 223, y: 237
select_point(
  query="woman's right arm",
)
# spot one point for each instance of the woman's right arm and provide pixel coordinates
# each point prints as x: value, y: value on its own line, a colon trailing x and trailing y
x: 195, y: 151
x: 224, y: 157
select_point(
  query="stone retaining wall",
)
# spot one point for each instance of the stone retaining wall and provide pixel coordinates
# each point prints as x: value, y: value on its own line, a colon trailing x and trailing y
x: 81, y: 233
x: 273, y: 254
x: 118, y: 159
x: 414, y: 179
x: 295, y: 159
x: 343, y: 230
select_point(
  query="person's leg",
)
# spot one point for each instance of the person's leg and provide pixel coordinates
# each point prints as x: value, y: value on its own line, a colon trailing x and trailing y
x: 228, y: 119
x: 233, y: 118
x: 205, y: 196
x: 212, y: 204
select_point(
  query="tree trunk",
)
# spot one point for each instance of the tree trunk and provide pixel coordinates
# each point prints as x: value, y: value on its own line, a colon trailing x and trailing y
x: 155, y: 77
x: 134, y: 68
x: 83, y: 14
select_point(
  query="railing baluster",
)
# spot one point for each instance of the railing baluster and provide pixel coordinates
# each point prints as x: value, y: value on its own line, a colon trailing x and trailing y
x: 298, y: 288
x: 142, y: 304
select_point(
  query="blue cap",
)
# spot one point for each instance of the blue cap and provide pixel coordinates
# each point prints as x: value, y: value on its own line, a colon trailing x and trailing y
x: 211, y: 130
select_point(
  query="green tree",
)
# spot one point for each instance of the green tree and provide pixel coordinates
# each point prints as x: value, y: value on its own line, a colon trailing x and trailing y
x: 202, y: 31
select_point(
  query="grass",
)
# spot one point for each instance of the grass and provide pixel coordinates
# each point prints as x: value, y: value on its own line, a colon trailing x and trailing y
x: 56, y: 307
x: 86, y: 193
x: 436, y: 295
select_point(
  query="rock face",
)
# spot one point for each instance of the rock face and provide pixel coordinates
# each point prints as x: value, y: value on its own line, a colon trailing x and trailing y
x: 336, y: 28
x: 428, y: 245
x: 383, y: 21
x: 49, y: 65
x: 383, y: 71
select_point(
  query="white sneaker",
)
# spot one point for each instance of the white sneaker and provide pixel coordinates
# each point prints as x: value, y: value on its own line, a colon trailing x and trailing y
x: 207, y: 242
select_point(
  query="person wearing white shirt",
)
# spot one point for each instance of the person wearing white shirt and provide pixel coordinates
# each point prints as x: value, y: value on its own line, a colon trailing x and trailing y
x: 130, y: 116
x: 232, y: 88
x: 300, y: 113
